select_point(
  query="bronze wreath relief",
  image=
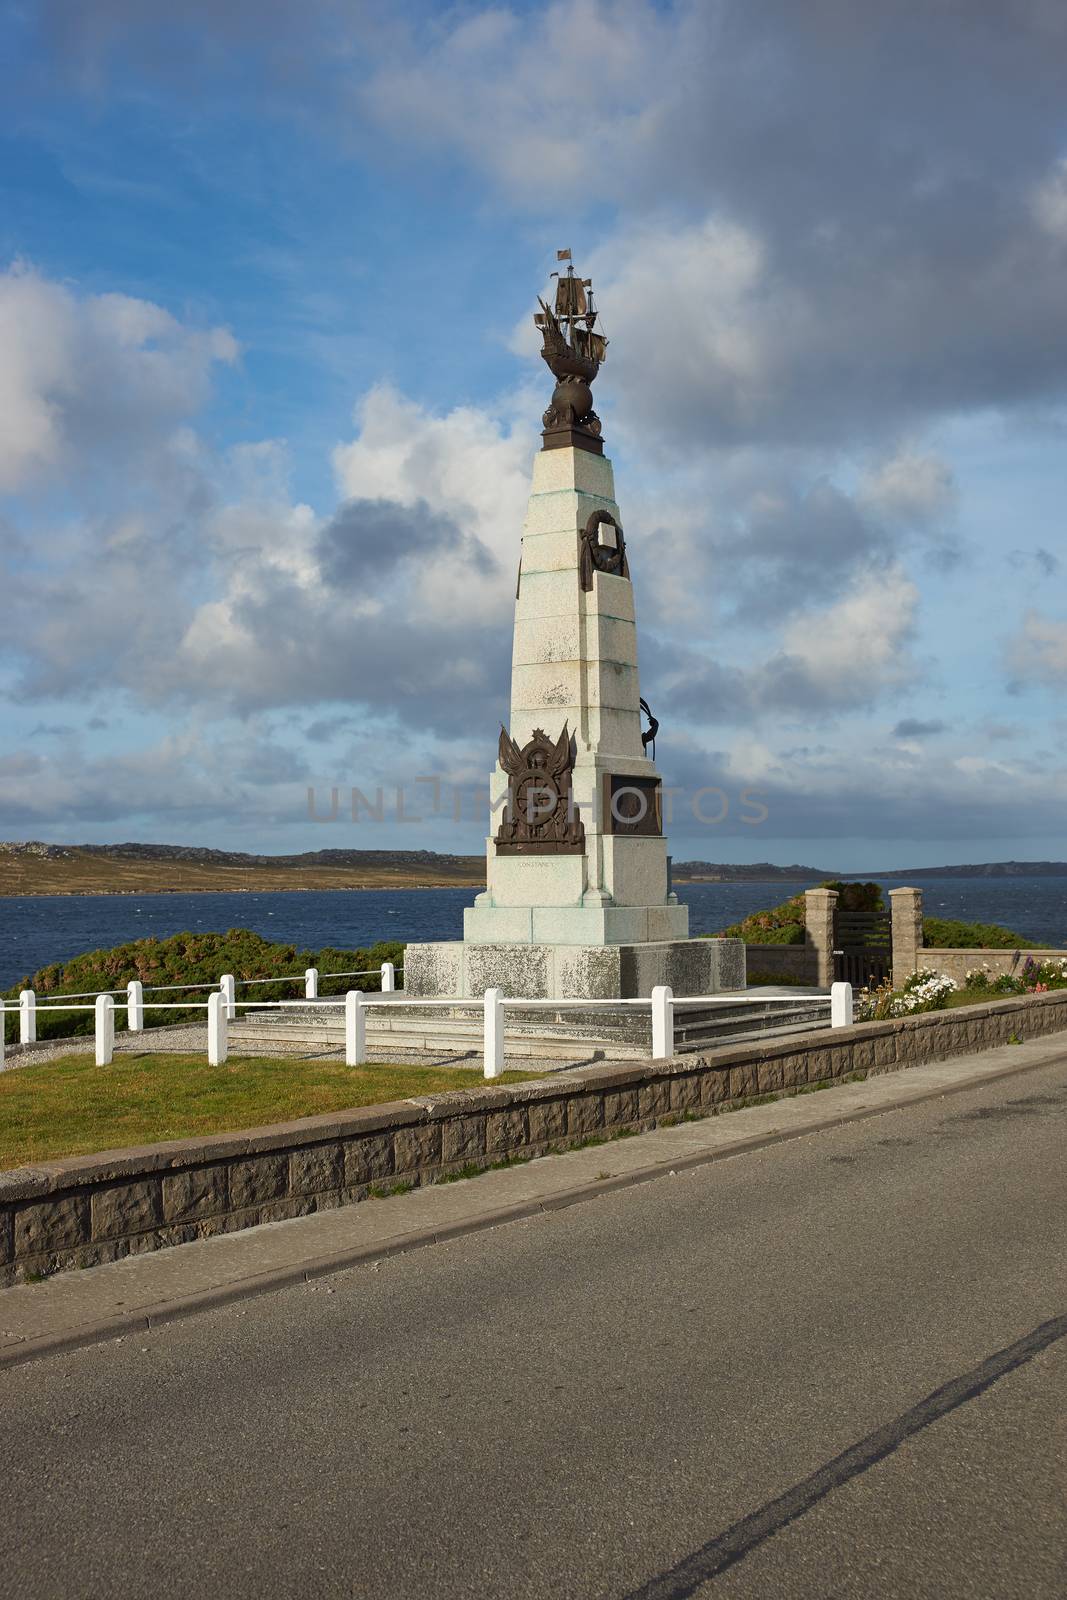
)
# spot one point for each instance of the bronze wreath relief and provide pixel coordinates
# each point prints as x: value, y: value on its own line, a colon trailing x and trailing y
x: 598, y: 557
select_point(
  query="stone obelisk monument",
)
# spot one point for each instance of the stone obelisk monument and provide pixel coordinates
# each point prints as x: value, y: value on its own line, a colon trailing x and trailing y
x: 577, y: 902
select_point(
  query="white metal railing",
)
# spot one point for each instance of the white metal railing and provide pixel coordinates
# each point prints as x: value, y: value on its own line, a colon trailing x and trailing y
x: 104, y: 1009
x: 356, y: 1005
x: 661, y: 1003
x: 29, y: 1004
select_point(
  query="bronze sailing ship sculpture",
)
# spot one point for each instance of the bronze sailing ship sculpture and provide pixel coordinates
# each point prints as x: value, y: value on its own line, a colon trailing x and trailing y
x: 573, y: 350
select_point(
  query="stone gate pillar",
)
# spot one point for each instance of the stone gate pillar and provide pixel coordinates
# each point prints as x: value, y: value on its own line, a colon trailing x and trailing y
x: 819, y: 905
x: 907, y: 907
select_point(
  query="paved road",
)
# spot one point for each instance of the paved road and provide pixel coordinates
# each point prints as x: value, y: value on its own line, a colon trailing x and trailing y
x: 833, y: 1368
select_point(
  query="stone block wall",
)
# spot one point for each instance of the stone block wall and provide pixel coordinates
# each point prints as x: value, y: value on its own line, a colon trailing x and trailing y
x: 911, y: 955
x: 773, y: 962
x: 957, y: 963
x: 99, y: 1208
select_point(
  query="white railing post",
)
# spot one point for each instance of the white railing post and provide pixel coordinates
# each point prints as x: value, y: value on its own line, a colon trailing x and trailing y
x: 3, y: 1032
x: 227, y: 989
x: 388, y: 978
x: 662, y: 1022
x: 135, y: 1005
x: 355, y: 1029
x: 105, y: 1029
x: 217, y: 1020
x: 27, y: 1017
x: 840, y: 1005
x: 311, y: 983
x: 494, y: 1033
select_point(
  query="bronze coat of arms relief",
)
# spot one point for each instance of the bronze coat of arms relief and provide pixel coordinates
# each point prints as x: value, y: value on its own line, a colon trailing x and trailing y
x: 540, y: 817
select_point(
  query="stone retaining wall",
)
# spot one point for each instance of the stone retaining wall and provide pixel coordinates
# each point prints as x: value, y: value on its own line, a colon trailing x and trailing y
x: 957, y: 963
x: 772, y: 962
x: 92, y: 1209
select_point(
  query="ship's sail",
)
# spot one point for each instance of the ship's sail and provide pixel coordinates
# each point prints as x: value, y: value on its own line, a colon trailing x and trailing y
x: 570, y: 297
x: 589, y: 344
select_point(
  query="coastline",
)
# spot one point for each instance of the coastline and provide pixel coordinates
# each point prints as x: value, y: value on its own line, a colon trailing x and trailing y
x: 116, y: 891
x: 227, y: 888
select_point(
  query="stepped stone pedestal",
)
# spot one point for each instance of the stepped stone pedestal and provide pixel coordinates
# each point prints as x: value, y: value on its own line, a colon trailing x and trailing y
x: 577, y: 903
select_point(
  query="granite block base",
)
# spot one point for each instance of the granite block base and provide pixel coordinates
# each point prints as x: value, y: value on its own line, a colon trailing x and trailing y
x: 464, y: 969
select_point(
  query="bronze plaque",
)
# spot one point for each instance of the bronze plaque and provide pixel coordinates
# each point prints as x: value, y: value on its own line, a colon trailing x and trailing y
x: 633, y: 807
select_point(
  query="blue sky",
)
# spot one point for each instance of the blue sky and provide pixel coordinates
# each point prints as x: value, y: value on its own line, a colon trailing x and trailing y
x: 269, y: 396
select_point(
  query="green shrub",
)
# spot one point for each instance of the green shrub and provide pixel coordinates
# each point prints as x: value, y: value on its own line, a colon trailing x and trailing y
x: 947, y: 933
x: 784, y: 924
x: 192, y: 958
x: 856, y: 896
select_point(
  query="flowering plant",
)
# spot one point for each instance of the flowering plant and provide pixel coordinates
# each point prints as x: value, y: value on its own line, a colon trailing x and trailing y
x: 925, y: 990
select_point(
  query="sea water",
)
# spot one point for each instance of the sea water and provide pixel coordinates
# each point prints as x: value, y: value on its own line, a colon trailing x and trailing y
x: 38, y: 929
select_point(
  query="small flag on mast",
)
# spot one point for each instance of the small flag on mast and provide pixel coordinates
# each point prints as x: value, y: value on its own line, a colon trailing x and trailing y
x: 563, y: 255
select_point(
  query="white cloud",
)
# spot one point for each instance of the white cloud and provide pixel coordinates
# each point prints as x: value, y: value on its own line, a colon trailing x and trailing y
x: 1038, y: 651
x: 1049, y: 200
x: 859, y: 641
x: 701, y: 335
x: 553, y: 95
x: 913, y: 487
x: 462, y: 465
x: 91, y: 375
x: 35, y: 373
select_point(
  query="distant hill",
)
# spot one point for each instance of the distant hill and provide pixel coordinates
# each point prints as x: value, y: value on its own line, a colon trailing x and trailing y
x: 231, y: 858
x: 765, y: 872
x: 984, y: 869
x: 758, y: 872
x: 34, y: 868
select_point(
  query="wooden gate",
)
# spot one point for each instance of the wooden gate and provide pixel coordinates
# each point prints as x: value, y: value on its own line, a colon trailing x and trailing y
x: 863, y: 947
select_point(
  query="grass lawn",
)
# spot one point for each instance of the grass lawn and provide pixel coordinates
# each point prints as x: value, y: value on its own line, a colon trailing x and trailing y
x: 71, y: 1107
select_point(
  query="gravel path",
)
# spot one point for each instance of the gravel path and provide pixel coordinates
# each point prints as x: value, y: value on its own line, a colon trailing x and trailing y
x: 185, y: 1039
x: 180, y: 1039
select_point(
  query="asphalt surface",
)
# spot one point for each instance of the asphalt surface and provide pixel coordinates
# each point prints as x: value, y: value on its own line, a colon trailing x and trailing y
x: 835, y: 1367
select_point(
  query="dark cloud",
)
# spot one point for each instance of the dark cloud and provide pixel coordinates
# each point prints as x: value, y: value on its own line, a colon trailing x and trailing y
x: 366, y: 539
x: 913, y: 728
x: 845, y: 794
x: 790, y: 532
x: 324, y: 729
x: 283, y: 45
x: 293, y: 650
x: 1042, y: 560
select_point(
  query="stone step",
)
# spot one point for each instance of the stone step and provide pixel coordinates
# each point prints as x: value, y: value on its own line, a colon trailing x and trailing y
x: 526, y: 1046
x: 696, y: 1027
x: 434, y: 1029
x: 536, y: 1032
